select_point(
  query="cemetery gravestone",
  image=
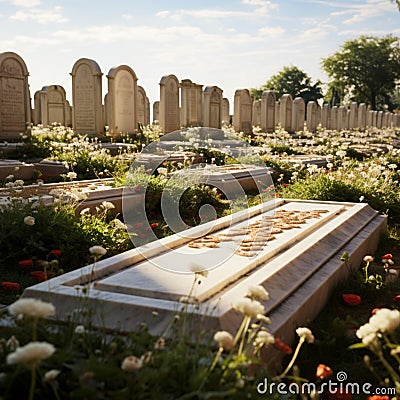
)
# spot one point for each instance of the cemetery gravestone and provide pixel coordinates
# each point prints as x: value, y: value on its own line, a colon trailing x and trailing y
x: 257, y: 113
x: 212, y: 107
x: 334, y: 118
x: 192, y: 103
x: 156, y: 111
x: 169, y: 114
x: 298, y: 114
x: 286, y: 106
x: 143, y: 107
x: 353, y: 121
x: 87, y: 108
x: 325, y: 116
x: 268, y: 102
x: 226, y: 119
x: 51, y: 106
x: 15, y: 102
x: 312, y: 116
x: 362, y: 116
x: 242, y: 111
x: 122, y: 100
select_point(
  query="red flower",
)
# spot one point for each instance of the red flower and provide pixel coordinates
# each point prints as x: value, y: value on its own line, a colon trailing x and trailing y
x: 396, y: 298
x: 40, y: 276
x: 387, y: 257
x: 56, y: 253
x: 284, y: 348
x: 154, y: 225
x: 374, y: 311
x: 351, y: 299
x: 26, y: 263
x: 10, y: 285
x: 323, y: 371
x: 378, y: 397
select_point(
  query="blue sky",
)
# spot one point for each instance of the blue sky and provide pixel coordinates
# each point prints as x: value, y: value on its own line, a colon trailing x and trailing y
x: 233, y: 44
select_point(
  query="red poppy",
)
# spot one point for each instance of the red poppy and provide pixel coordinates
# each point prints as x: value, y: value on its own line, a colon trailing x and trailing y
x: 378, y: 397
x: 284, y: 348
x: 387, y: 257
x: 396, y: 298
x: 40, y: 276
x: 26, y: 263
x: 374, y: 311
x: 10, y: 285
x: 323, y: 371
x: 56, y: 252
x: 154, y: 225
x: 351, y: 299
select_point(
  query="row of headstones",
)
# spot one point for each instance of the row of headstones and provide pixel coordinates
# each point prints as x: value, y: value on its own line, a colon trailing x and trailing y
x: 181, y: 104
x: 292, y: 115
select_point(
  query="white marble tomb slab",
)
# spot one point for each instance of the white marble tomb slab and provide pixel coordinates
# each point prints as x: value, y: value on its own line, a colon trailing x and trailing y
x: 299, y: 270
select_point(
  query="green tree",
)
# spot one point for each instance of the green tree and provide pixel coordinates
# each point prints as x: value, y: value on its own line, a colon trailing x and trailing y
x: 291, y: 80
x: 366, y: 69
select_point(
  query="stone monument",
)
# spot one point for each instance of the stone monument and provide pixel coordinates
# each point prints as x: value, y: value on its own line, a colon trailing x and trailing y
x: 15, y: 102
x: 87, y: 108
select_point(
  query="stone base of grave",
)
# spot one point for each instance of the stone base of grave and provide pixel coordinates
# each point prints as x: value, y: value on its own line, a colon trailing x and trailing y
x: 299, y: 268
x: 50, y: 169
x: 16, y: 168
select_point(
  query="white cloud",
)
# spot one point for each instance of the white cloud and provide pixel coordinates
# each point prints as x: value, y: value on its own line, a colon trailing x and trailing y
x: 40, y: 16
x: 263, y: 6
x: 127, y: 17
x: 26, y: 3
x: 271, y: 31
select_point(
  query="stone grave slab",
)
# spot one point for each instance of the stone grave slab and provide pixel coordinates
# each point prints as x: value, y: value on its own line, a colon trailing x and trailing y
x: 19, y: 169
x: 299, y: 265
x: 50, y: 169
x: 305, y: 159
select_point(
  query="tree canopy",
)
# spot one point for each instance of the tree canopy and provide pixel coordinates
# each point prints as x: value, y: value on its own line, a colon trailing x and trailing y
x: 291, y: 80
x: 365, y: 70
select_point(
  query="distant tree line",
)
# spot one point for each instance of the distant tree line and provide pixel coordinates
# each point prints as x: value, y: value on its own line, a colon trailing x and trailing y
x: 364, y: 70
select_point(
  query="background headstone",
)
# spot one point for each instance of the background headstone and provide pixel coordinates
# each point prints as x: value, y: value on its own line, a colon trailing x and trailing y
x: 226, y: 118
x: 51, y: 106
x: 87, y: 117
x: 15, y: 101
x: 285, y: 113
x: 169, y: 113
x: 242, y: 111
x: 156, y: 111
x: 353, y: 121
x: 143, y: 107
x: 122, y: 100
x: 268, y: 103
x: 312, y: 108
x: 257, y: 113
x: 362, y: 116
x: 192, y: 103
x: 298, y: 114
x: 212, y: 107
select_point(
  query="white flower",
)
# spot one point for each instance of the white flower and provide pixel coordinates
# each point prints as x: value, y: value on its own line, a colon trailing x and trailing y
x: 31, y: 353
x: 198, y: 269
x: 385, y: 320
x: 9, y: 177
x: 71, y: 175
x: 32, y: 308
x: 107, y: 205
x: 97, y: 250
x: 306, y: 334
x: 361, y: 199
x: 258, y: 292
x: 51, y: 375
x: 19, y: 182
x: 12, y: 343
x: 80, y: 329
x: 160, y: 343
x: 131, y: 364
x: 251, y: 308
x: 118, y: 224
x: 85, y: 211
x: 365, y: 330
x: 368, y: 258
x: 263, y: 338
x: 29, y: 220
x: 224, y: 339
